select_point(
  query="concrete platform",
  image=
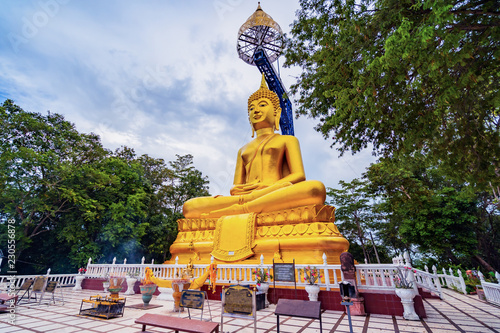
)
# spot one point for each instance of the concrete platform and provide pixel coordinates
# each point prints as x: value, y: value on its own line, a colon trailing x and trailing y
x: 457, y: 313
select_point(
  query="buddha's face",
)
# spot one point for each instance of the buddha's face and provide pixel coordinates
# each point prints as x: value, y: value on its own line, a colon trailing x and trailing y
x: 261, y: 113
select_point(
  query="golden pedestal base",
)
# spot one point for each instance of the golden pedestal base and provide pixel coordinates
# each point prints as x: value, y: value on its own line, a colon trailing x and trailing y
x: 302, y: 233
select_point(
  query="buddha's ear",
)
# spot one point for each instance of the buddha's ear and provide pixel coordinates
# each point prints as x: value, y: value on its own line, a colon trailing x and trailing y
x: 277, y: 117
x: 251, y: 125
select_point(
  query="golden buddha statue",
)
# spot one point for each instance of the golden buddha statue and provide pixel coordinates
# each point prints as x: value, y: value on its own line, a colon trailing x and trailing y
x: 272, y: 210
x: 269, y: 172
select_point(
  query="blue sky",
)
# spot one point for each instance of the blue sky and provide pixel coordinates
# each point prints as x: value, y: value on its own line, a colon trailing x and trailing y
x: 162, y: 77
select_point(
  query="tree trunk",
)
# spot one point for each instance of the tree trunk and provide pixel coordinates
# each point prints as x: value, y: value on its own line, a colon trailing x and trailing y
x: 483, y: 263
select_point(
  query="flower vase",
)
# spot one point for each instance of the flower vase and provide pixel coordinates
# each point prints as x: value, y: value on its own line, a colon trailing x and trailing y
x: 147, y: 291
x: 263, y: 288
x: 407, y: 296
x: 78, y: 282
x: 114, y: 292
x: 105, y: 286
x: 312, y: 291
x: 130, y: 286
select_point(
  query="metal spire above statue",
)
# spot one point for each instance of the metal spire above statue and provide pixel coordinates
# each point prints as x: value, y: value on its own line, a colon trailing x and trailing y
x: 260, y: 43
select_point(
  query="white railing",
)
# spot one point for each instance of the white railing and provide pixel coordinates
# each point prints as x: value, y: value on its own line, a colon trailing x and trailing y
x: 491, y: 290
x: 369, y: 277
x: 376, y: 276
x: 429, y: 281
x: 63, y: 280
x: 452, y: 281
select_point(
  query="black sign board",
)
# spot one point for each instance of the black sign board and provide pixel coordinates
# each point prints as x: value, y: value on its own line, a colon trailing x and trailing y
x: 192, y: 299
x: 284, y: 272
x: 238, y: 300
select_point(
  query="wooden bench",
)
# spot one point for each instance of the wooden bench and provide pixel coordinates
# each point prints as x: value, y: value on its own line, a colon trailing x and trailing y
x: 298, y: 308
x: 177, y: 324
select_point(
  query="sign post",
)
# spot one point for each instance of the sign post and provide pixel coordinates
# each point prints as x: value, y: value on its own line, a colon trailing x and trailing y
x: 347, y: 291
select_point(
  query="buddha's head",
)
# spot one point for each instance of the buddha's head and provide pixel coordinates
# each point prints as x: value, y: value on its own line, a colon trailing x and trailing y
x: 264, y: 108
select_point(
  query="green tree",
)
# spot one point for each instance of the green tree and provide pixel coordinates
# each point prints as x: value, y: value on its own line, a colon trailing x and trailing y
x: 355, y: 217
x: 72, y: 199
x: 171, y: 188
x: 185, y: 182
x: 423, y: 207
x: 37, y: 156
x: 108, y: 219
x: 405, y: 76
x: 352, y: 213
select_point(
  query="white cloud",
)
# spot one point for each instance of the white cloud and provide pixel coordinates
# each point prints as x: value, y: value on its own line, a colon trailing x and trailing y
x: 162, y: 77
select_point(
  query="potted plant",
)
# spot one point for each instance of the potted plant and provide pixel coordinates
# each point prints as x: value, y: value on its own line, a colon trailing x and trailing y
x: 471, y: 282
x: 79, y: 279
x: 405, y: 291
x: 310, y: 276
x: 131, y: 280
x: 115, y: 284
x: 105, y: 283
x: 480, y: 292
x: 261, y: 277
x: 147, y: 287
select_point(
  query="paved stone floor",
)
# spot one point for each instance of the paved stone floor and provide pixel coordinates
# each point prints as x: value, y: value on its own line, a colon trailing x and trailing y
x: 457, y: 313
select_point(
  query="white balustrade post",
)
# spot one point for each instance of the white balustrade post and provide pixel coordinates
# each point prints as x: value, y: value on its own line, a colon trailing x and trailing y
x: 125, y: 261
x: 78, y: 282
x: 326, y: 274
x: 176, y: 268
x: 407, y: 259
x: 497, y: 276
x: 411, y: 277
x: 211, y: 259
x: 483, y: 293
x: 462, y: 282
x: 114, y: 261
x: 428, y: 279
x: 142, y: 260
x: 453, y: 283
x: 437, y: 282
x: 88, y: 263
x: 48, y: 272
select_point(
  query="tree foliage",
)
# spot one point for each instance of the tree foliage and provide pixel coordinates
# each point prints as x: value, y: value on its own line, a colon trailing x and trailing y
x: 420, y: 206
x: 354, y: 216
x: 73, y: 199
x: 412, y: 206
x: 405, y: 76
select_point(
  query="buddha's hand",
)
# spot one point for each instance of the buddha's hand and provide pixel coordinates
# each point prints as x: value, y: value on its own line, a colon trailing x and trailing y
x: 256, y: 190
x: 240, y: 189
